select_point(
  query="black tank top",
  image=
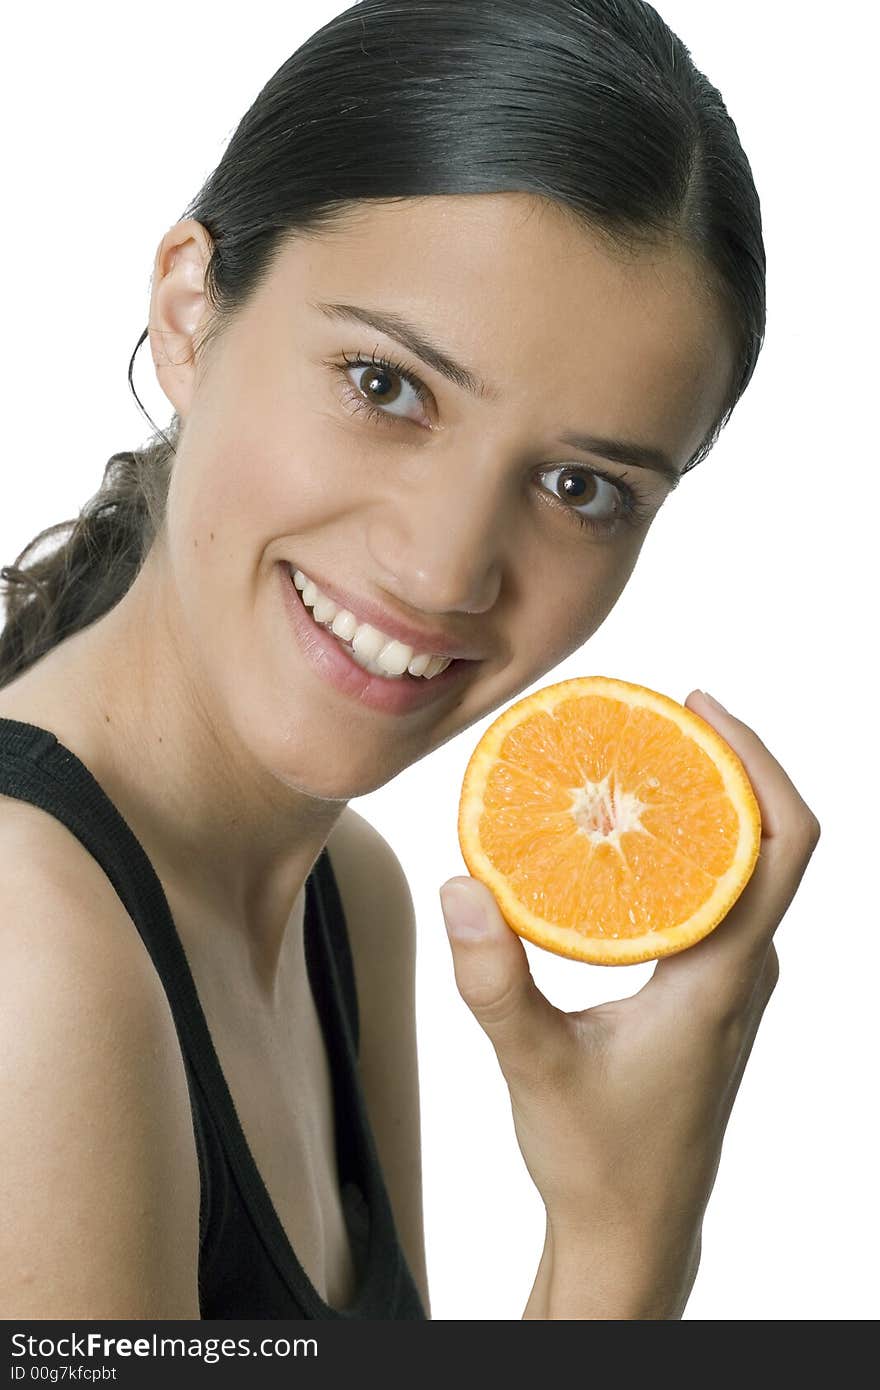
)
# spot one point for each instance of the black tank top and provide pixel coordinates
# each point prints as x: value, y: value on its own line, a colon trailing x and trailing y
x: 247, y: 1266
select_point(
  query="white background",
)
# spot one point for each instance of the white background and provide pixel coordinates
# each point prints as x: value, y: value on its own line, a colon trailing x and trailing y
x: 757, y: 582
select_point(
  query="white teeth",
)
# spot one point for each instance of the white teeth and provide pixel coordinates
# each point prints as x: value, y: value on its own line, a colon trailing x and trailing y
x: 435, y: 666
x: 417, y: 666
x: 394, y: 658
x: 325, y: 609
x: 344, y: 625
x: 368, y: 642
x: 373, y: 650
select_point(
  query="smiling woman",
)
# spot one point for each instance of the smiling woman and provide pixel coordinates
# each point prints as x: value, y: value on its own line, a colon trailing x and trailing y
x: 426, y: 407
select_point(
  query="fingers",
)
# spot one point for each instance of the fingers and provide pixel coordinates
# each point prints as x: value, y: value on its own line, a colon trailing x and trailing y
x: 723, y: 967
x: 784, y: 813
x: 494, y: 979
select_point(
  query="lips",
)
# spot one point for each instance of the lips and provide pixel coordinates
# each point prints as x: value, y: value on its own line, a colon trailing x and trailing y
x: 334, y: 666
x: 365, y: 610
x: 371, y: 648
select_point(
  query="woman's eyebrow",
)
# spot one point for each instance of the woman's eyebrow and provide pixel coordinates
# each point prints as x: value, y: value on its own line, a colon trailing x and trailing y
x: 395, y: 326
x: 412, y: 337
x: 622, y: 451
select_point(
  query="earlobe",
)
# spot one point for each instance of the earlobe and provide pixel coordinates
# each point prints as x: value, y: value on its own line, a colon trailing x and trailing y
x: 178, y: 307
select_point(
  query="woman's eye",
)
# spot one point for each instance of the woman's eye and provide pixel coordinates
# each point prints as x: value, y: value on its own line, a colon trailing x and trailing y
x: 387, y: 392
x: 384, y: 391
x: 593, y: 499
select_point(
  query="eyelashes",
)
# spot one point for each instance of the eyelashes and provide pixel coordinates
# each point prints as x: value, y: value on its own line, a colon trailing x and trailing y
x: 633, y: 507
x: 385, y: 367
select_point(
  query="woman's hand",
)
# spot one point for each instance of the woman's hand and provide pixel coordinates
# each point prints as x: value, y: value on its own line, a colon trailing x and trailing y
x: 620, y: 1110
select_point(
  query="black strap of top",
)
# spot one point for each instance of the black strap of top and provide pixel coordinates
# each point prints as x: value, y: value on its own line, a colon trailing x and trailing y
x: 36, y: 767
x: 330, y: 907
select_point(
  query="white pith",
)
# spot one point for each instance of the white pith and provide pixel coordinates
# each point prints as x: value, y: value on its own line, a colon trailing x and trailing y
x: 371, y: 648
x: 603, y: 813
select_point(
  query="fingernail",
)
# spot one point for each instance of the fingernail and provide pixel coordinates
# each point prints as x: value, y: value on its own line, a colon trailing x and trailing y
x: 716, y: 703
x: 463, y: 916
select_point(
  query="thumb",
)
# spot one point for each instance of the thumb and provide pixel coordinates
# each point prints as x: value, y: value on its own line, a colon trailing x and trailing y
x: 494, y: 979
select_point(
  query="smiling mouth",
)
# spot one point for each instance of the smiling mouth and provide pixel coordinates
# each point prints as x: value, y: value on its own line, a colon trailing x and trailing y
x: 373, y: 650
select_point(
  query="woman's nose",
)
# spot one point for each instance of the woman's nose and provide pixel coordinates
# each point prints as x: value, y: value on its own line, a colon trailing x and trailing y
x: 439, y: 541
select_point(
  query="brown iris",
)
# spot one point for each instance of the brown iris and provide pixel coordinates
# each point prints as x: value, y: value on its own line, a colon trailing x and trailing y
x: 572, y: 484
x: 376, y: 375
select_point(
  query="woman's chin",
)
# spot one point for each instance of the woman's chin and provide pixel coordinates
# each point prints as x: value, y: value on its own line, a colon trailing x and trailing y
x: 338, y: 783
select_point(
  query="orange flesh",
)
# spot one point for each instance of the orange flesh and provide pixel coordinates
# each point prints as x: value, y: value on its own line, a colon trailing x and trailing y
x: 604, y: 817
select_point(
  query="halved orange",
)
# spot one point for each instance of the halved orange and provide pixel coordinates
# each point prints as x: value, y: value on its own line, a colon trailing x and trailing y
x: 611, y: 823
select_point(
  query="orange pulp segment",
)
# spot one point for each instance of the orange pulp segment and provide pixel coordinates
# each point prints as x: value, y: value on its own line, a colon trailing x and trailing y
x: 611, y: 823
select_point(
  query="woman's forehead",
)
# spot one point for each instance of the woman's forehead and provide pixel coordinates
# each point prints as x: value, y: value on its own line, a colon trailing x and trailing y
x: 460, y: 239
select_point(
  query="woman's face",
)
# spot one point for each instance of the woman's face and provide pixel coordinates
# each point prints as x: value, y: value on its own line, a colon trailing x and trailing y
x: 456, y: 507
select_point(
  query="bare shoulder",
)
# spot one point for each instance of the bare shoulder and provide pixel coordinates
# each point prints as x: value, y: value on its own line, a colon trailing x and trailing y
x: 379, y: 913
x: 374, y: 877
x: 59, y: 905
x: 98, y: 1147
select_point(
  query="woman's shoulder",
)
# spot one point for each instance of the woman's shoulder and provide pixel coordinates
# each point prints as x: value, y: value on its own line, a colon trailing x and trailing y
x: 65, y: 932
x: 380, y: 924
x: 380, y: 918
x: 94, y: 1094
x: 37, y: 844
x: 373, y: 886
x: 47, y: 876
x: 46, y: 871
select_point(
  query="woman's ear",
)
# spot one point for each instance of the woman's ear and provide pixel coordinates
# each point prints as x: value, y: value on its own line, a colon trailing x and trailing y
x: 178, y: 306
